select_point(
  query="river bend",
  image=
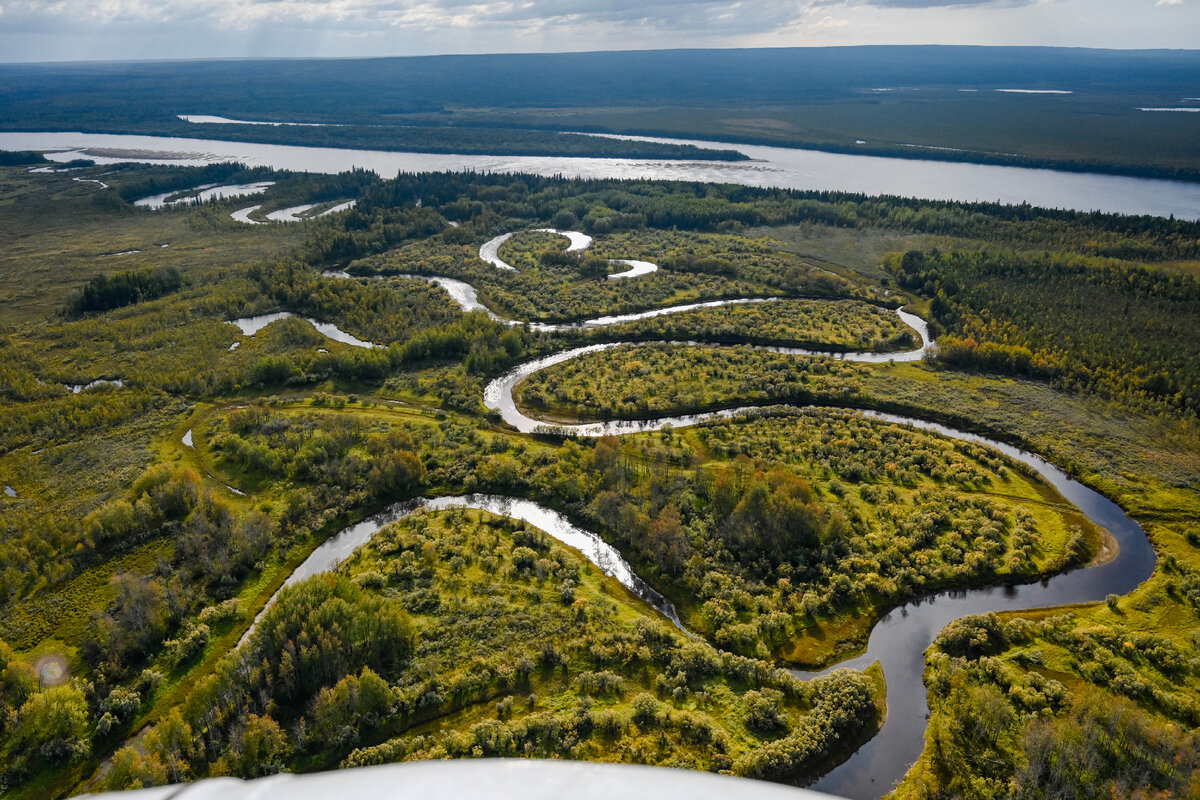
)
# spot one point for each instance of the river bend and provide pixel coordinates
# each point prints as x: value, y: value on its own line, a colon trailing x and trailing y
x: 898, y: 641
x: 339, y: 546
x: 489, y: 251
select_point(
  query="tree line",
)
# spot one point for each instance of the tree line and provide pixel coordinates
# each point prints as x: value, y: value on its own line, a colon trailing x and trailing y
x: 1086, y: 323
x: 119, y: 289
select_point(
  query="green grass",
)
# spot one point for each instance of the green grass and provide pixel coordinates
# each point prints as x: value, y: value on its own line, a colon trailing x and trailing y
x: 860, y: 250
x: 694, y: 267
x: 827, y: 325
x: 54, y: 238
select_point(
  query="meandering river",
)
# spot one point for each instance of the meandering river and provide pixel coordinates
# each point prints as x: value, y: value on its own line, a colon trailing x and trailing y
x: 769, y: 167
x: 900, y: 638
x: 339, y: 546
x: 898, y: 641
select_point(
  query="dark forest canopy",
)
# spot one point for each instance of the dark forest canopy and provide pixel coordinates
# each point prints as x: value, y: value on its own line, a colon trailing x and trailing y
x: 17, y: 158
x: 391, y: 85
x: 105, y: 292
x: 899, y: 101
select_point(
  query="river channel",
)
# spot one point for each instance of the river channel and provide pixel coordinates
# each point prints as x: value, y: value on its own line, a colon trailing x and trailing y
x: 339, y: 546
x: 780, y: 167
x: 898, y: 641
x: 900, y: 638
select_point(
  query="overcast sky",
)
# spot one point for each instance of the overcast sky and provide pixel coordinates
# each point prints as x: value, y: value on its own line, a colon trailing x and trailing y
x: 53, y: 30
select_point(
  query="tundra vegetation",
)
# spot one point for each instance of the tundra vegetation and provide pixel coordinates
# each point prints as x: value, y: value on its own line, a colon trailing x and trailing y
x: 150, y: 521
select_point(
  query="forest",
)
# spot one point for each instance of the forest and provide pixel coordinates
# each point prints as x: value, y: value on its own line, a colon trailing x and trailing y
x: 166, y: 472
x: 1054, y: 315
x: 549, y: 663
x: 931, y: 102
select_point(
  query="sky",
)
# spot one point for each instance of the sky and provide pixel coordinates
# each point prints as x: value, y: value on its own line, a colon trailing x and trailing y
x: 72, y: 30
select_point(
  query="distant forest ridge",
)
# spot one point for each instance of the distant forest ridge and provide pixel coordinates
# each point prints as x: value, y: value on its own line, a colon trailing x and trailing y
x: 429, y: 83
x: 1075, y: 108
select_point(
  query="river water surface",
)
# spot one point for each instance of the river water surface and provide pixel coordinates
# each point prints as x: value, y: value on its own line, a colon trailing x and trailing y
x: 339, y: 546
x: 898, y: 641
x: 769, y: 167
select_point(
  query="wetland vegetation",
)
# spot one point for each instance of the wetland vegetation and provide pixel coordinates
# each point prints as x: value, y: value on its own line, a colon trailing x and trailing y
x: 153, y: 520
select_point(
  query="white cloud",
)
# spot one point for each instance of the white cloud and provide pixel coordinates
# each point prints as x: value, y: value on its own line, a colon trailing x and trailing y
x: 50, y: 29
x: 830, y: 22
x: 669, y: 17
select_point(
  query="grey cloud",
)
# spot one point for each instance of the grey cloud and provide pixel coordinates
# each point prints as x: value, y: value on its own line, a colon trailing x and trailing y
x: 722, y: 15
x: 42, y: 29
x: 669, y: 15
x: 948, y: 3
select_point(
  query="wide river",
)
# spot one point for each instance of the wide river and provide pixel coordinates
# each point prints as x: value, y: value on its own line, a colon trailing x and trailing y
x: 770, y: 167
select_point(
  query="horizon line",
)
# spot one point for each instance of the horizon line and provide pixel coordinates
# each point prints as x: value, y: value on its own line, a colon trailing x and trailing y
x: 194, y: 59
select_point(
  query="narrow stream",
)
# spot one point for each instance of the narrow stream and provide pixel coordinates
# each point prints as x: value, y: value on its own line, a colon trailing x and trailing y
x: 498, y: 396
x: 293, y: 214
x: 299, y: 213
x: 465, y: 297
x: 900, y: 638
x: 202, y: 194
x: 76, y: 388
x: 339, y: 546
x: 252, y: 325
